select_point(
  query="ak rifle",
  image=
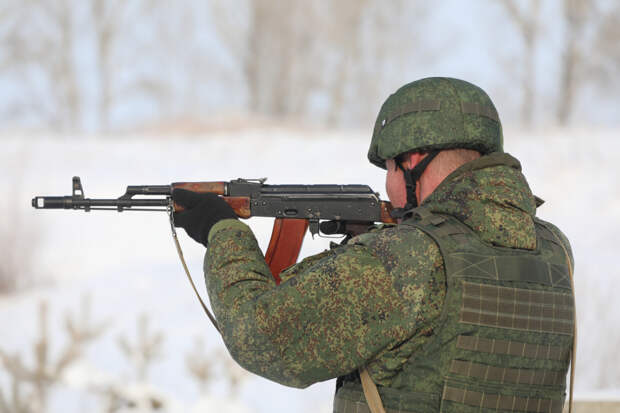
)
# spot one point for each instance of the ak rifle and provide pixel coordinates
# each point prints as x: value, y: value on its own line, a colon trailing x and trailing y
x: 323, y: 209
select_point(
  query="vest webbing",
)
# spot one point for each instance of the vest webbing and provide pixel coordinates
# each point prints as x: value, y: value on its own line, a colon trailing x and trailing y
x: 505, y: 334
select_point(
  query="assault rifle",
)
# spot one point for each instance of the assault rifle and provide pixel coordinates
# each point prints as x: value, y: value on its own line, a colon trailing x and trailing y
x: 327, y: 209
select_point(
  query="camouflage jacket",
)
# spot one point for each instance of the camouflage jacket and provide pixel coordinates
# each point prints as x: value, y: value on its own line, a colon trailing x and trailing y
x: 357, y: 305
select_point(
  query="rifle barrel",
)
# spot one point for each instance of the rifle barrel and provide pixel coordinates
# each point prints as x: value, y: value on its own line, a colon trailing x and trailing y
x: 69, y: 202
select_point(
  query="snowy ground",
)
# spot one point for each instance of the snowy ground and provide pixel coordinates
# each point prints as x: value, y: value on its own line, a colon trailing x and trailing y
x: 127, y: 265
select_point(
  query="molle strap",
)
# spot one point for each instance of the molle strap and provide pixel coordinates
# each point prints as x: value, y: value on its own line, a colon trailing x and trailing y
x: 470, y: 108
x: 504, y: 375
x: 442, y: 226
x: 400, y: 213
x: 501, y: 402
x: 513, y: 348
x: 509, y: 268
x: 412, y: 107
x: 424, y: 214
x: 350, y: 398
x: 436, y: 226
x: 517, y: 309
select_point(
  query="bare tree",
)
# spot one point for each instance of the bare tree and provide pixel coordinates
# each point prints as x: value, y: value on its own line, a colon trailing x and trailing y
x: 20, y: 239
x: 295, y: 57
x: 42, y: 45
x: 576, y: 14
x: 344, y: 34
x: 114, y: 29
x: 604, y: 62
x: 234, y: 373
x: 527, y: 21
x: 275, y: 45
x: 392, y: 51
x: 279, y: 64
x: 200, y: 365
x: 39, y: 44
x: 146, y: 350
x: 47, y: 372
x: 293, y: 51
x: 106, y: 29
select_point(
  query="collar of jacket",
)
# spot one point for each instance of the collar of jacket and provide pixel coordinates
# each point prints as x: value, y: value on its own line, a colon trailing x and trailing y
x: 486, y: 161
x: 492, y: 197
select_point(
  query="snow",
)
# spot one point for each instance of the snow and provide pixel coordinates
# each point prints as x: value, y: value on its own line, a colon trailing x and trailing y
x: 127, y: 265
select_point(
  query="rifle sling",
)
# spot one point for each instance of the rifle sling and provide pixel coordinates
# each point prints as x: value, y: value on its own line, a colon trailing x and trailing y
x: 371, y: 393
x: 189, y: 277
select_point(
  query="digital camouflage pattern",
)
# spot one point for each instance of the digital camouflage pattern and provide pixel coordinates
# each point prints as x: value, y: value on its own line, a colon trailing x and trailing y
x: 435, y: 113
x: 482, y: 194
x: 374, y: 302
x: 332, y: 313
x: 503, y: 339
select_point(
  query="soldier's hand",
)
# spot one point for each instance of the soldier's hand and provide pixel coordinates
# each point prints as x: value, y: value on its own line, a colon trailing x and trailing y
x: 202, y: 211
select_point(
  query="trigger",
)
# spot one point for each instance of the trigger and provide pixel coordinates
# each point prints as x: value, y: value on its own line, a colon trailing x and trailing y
x: 313, y: 227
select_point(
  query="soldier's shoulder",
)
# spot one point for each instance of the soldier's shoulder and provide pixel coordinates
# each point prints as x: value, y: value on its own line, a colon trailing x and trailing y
x: 561, y: 237
x: 391, y: 235
x: 400, y: 247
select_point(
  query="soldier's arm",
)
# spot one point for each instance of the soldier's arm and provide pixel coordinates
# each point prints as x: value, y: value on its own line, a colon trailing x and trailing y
x: 334, y: 313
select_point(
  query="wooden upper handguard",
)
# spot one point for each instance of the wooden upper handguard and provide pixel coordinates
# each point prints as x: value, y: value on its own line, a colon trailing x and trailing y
x: 217, y: 188
x: 386, y: 209
x: 241, y: 205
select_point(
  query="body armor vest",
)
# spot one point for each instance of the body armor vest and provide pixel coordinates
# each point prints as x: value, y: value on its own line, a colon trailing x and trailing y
x: 503, y: 340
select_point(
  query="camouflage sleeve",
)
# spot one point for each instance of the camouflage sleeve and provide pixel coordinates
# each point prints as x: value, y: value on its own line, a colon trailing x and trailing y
x: 334, y: 313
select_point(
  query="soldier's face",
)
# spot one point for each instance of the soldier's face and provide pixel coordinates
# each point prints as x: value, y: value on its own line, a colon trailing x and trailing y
x: 395, y: 184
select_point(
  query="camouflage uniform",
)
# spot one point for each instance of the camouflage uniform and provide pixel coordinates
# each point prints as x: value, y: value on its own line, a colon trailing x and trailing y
x: 374, y: 302
x: 466, y: 306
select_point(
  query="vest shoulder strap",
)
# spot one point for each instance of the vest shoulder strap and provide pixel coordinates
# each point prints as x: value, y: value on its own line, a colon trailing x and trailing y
x: 466, y: 256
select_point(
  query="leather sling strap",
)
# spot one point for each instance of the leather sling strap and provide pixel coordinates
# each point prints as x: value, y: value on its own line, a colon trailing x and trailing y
x: 371, y: 393
x: 574, y: 351
x: 175, y: 238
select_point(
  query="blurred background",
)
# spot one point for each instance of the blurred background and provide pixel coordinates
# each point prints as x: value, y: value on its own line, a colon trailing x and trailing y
x: 94, y: 311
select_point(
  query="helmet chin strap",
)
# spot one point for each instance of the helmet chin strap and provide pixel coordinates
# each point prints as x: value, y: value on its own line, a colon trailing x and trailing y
x: 412, y: 176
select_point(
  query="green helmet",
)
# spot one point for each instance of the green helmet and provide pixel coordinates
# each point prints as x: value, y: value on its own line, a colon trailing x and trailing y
x: 433, y: 114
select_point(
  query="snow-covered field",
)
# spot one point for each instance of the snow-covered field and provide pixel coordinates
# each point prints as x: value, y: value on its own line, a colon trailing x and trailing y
x: 126, y: 263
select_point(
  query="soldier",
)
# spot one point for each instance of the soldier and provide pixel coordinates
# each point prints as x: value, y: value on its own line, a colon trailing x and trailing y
x: 465, y: 306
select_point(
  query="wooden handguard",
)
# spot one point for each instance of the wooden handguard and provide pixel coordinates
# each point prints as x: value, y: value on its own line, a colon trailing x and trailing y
x: 386, y: 209
x: 241, y: 205
x: 217, y: 188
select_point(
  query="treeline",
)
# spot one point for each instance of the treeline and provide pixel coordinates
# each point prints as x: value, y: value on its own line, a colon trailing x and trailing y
x: 104, y: 65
